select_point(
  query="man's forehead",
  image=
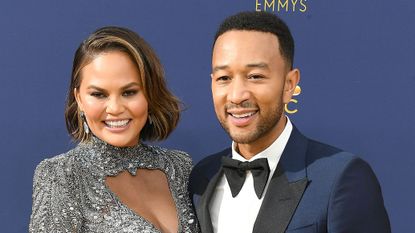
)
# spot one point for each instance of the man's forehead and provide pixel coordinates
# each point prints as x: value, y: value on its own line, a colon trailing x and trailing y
x: 247, y: 49
x: 247, y: 41
x: 257, y: 65
x: 247, y: 33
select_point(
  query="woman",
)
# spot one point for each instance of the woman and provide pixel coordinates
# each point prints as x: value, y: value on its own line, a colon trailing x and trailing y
x: 112, y: 182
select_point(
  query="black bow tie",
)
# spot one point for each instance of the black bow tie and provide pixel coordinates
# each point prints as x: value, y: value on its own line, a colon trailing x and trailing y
x: 235, y: 171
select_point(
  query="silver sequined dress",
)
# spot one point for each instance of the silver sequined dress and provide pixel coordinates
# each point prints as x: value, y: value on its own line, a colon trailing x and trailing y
x: 70, y: 194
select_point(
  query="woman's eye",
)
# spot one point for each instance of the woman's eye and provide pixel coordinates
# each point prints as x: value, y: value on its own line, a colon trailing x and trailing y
x: 98, y: 95
x: 129, y: 93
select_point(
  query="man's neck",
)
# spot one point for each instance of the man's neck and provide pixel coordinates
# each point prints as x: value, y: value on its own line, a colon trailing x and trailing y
x: 249, y: 150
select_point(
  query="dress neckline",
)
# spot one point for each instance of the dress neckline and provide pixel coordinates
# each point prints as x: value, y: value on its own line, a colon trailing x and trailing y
x: 111, y: 160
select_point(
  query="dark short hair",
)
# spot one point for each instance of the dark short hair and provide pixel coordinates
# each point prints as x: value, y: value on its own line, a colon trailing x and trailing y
x: 163, y: 106
x: 262, y: 22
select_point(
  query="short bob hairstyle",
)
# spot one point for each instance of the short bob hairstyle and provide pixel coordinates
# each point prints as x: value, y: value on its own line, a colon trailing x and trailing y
x: 163, y: 106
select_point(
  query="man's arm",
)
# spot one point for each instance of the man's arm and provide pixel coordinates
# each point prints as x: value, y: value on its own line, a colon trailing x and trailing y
x: 356, y: 203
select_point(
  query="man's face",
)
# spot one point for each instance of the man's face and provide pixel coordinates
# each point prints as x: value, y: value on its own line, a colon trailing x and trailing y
x: 251, y: 82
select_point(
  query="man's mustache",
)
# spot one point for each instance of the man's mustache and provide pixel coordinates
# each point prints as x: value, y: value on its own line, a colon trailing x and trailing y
x: 245, y: 104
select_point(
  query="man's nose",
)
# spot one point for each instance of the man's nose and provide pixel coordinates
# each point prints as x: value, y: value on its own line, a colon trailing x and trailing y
x: 238, y: 91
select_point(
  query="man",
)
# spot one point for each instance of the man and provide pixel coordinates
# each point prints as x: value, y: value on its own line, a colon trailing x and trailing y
x: 290, y: 183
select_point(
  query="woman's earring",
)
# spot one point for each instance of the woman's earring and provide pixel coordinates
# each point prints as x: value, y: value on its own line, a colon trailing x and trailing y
x: 149, y: 119
x: 86, y: 128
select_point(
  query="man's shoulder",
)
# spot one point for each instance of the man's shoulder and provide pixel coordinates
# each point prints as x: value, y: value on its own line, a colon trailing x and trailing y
x: 319, y: 150
x: 313, y: 150
x: 209, y: 165
x: 332, y: 160
x: 212, y: 159
x: 318, y: 155
x: 204, y: 170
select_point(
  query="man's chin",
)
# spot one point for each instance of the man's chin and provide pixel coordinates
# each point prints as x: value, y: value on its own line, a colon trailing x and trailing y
x: 242, y: 138
x: 240, y: 135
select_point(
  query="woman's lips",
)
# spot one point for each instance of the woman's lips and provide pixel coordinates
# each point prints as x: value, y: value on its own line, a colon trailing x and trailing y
x: 117, y: 126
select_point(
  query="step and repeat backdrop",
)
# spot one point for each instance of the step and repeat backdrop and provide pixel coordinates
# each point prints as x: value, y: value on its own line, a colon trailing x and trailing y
x: 357, y: 62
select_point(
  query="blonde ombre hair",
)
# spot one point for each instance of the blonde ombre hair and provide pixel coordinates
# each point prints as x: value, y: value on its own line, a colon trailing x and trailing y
x: 164, y: 107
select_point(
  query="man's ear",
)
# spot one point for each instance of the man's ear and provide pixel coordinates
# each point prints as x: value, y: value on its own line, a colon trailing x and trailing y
x: 292, y: 78
x: 78, y: 99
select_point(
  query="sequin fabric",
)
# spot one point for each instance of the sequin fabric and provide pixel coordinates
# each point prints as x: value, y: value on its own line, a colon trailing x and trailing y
x: 70, y: 194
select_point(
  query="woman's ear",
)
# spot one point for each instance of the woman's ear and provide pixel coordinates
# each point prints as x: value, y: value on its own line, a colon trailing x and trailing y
x: 78, y: 99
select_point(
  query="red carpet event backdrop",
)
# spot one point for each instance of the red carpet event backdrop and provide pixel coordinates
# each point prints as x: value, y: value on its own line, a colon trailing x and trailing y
x: 357, y: 63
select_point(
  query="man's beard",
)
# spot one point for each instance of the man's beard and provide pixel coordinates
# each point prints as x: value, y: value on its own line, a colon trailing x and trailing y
x: 265, y: 124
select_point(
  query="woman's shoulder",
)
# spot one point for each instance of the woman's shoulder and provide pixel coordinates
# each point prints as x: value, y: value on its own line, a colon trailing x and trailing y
x: 54, y: 192
x: 170, y: 153
x: 172, y: 156
x: 59, y: 165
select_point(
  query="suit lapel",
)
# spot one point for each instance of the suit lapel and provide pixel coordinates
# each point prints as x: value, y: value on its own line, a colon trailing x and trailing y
x: 285, y: 189
x: 279, y: 203
x: 203, y: 213
x: 212, y: 174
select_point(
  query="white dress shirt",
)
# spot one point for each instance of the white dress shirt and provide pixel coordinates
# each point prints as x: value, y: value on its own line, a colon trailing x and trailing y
x: 238, y: 214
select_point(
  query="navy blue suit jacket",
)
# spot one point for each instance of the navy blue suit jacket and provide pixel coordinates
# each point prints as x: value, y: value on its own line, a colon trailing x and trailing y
x: 315, y: 188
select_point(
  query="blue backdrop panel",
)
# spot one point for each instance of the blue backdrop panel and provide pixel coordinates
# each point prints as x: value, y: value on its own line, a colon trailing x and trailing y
x: 357, y: 62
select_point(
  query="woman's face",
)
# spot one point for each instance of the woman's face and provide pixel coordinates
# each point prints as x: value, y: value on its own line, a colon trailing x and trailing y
x: 111, y: 96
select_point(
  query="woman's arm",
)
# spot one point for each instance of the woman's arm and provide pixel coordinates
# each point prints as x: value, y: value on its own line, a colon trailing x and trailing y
x: 53, y: 208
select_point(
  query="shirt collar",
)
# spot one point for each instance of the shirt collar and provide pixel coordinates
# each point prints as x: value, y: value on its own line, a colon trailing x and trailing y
x: 273, y: 152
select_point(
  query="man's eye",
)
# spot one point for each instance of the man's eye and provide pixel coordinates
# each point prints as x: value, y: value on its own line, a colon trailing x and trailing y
x: 255, y: 76
x: 98, y: 95
x: 223, y: 78
x: 129, y: 93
